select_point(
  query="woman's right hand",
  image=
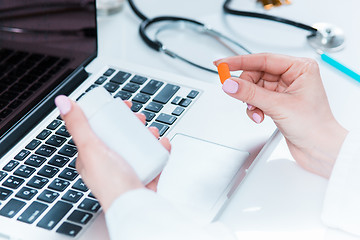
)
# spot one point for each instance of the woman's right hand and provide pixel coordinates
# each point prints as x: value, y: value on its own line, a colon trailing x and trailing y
x: 290, y: 91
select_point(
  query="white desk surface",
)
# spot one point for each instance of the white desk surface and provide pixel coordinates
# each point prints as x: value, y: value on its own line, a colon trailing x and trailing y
x: 278, y: 199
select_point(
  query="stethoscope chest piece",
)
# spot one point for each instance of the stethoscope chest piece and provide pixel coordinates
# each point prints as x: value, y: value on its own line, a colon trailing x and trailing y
x: 328, y: 38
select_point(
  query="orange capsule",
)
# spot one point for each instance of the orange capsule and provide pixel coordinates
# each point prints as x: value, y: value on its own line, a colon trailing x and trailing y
x: 224, y: 72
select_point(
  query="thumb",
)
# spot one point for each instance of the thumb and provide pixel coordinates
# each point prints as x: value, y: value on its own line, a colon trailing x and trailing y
x: 252, y: 94
x: 76, y: 122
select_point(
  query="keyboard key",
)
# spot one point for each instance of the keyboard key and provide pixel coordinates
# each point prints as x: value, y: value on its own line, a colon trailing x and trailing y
x: 58, y: 161
x: 69, y: 229
x: 63, y: 132
x: 13, y: 182
x: 111, y: 87
x: 73, y: 163
x: 2, y: 175
x: 45, y: 150
x: 68, y: 174
x: 80, y: 217
x: 22, y: 155
x: 53, y: 217
x: 152, y: 87
x: 120, y: 77
x: 123, y: 95
x: 79, y: 97
x: 149, y: 115
x: 100, y: 80
x: 166, y: 118
x: 26, y: 193
x: 178, y: 111
x: 4, y: 193
x: 91, y: 195
x: 89, y: 205
x: 131, y: 87
x: 68, y: 150
x: 162, y: 128
x: 193, y: 94
x: 56, y: 141
x: 33, y: 144
x: 24, y: 171
x: 44, y: 134
x: 48, y: 196
x: 54, y: 124
x: 154, y: 107
x: 80, y: 185
x: 135, y: 107
x: 91, y: 87
x: 72, y: 196
x: 37, y: 182
x: 32, y: 212
x: 166, y: 93
x: 185, y: 102
x: 10, y: 166
x: 141, y: 98
x: 48, y: 171
x: 109, y: 72
x: 35, y: 160
x: 176, y: 100
x: 138, y: 79
x: 59, y: 185
x: 71, y: 142
x: 12, y: 208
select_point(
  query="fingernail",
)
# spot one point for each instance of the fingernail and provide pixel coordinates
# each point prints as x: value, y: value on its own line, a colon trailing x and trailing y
x: 214, y: 62
x: 256, y: 117
x: 230, y: 86
x: 63, y: 104
x: 249, y: 106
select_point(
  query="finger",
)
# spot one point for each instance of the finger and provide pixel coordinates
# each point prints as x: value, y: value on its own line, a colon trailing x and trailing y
x: 154, y: 131
x: 141, y: 117
x: 153, y: 184
x: 256, y: 115
x: 75, y: 120
x: 128, y: 103
x: 166, y: 143
x: 252, y: 94
x: 264, y: 62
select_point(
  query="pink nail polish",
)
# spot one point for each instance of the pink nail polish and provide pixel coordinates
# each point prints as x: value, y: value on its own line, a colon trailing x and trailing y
x: 230, y: 86
x: 256, y: 117
x: 214, y: 62
x: 249, y: 106
x: 63, y: 104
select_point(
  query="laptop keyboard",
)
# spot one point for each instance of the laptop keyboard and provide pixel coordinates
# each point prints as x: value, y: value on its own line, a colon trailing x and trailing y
x: 22, y: 74
x: 40, y: 184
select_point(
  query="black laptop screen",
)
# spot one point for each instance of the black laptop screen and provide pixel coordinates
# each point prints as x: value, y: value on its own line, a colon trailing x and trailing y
x: 41, y: 43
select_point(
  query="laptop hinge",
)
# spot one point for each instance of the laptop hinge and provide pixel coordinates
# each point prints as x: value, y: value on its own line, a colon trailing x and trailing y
x: 40, y: 111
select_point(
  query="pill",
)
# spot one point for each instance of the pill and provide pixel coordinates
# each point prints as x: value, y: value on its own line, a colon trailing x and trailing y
x: 224, y: 72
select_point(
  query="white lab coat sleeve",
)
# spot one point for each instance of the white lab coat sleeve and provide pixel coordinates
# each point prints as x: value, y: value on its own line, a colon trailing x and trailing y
x: 342, y: 200
x: 143, y: 214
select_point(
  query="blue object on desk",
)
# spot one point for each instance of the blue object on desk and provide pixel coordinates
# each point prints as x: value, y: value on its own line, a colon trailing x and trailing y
x: 339, y: 66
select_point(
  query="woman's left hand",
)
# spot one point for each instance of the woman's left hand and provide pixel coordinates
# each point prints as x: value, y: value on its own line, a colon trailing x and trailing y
x: 107, y: 174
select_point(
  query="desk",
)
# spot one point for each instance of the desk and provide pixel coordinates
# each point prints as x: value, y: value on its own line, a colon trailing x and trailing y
x: 278, y: 199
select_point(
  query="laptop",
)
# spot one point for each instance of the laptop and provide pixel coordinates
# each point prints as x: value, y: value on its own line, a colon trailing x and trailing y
x: 45, y: 49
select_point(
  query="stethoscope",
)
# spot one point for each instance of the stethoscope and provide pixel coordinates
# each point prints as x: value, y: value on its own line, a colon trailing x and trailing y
x: 179, y: 22
x: 322, y: 37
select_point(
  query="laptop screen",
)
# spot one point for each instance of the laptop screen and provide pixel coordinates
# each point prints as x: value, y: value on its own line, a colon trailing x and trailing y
x: 41, y: 43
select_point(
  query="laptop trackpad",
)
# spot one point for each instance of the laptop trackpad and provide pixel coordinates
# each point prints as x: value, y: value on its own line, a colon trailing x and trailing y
x: 198, y: 173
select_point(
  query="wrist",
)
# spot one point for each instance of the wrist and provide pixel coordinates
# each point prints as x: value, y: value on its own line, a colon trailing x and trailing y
x: 324, y: 148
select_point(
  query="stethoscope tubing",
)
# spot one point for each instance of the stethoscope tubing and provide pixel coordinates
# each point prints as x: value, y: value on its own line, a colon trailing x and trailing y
x: 228, y: 10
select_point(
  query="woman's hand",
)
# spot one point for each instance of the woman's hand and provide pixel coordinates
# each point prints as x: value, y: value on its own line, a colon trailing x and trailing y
x: 290, y: 91
x: 106, y: 173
